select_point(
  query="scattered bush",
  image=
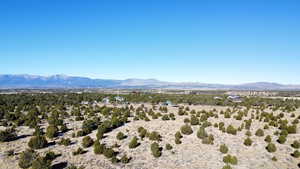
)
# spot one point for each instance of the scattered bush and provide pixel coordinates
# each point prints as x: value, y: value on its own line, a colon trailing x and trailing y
x: 248, y: 141
x: 186, y: 129
x: 248, y: 133
x: 224, y: 149
x: 231, y: 130
x: 65, y: 142
x: 227, y: 167
x: 201, y: 133
x: 52, y: 131
x: 165, y: 117
x: 208, y: 140
x: 282, y: 139
x: 292, y: 129
x: 178, y: 135
x: 37, y: 142
x: 177, y: 141
x: 142, y: 132
x: 259, y: 133
x: 125, y: 159
x: 169, y: 146
x: 78, y: 151
x: 154, y: 136
x: 194, y: 120
x: 134, y: 142
x: 121, y: 136
x: 155, y: 149
x: 296, y: 154
x: 26, y: 158
x: 7, y: 135
x: 109, y: 152
x: 41, y: 163
x: 271, y: 148
x: 98, y: 148
x: 81, y: 133
x: 87, y: 141
x: 230, y: 159
x: 296, y: 144
x: 268, y: 139
x: 63, y: 128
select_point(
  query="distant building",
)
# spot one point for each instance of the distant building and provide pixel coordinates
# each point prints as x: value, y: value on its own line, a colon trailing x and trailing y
x: 119, y: 99
x: 85, y: 102
x: 167, y: 103
x: 235, y: 98
x: 106, y: 100
x: 217, y: 98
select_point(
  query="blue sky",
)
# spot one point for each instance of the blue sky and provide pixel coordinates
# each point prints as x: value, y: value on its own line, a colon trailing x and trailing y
x: 200, y: 41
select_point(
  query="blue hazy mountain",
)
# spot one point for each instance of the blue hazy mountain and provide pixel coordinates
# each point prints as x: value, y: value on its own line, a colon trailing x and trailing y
x: 63, y: 81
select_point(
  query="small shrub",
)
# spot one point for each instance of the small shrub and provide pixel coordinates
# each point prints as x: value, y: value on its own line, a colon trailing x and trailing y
x: 227, y: 167
x: 186, y: 129
x: 134, y: 142
x: 296, y: 144
x: 248, y: 133
x: 165, y: 117
x: 177, y: 141
x: 230, y: 159
x: 121, y: 136
x: 114, y: 159
x: 201, y: 133
x: 26, y: 158
x: 231, y: 130
x: 169, y: 146
x: 292, y: 129
x: 125, y: 159
x: 52, y: 131
x: 87, y: 141
x: 155, y: 149
x: 65, y: 142
x: 271, y: 148
x: 248, y: 142
x: 64, y: 128
x: 109, y: 152
x: 282, y: 139
x: 41, y: 163
x: 274, y: 158
x: 296, y: 154
x: 8, y: 135
x: 178, y: 135
x: 266, y: 127
x: 37, y: 142
x: 268, y: 139
x: 259, y: 133
x: 80, y: 133
x: 78, y: 151
x: 194, y: 120
x: 208, y: 140
x: 98, y: 148
x: 142, y: 132
x: 154, y: 136
x: 224, y: 149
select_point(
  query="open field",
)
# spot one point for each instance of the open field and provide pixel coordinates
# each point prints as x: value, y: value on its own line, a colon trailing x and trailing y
x: 264, y: 135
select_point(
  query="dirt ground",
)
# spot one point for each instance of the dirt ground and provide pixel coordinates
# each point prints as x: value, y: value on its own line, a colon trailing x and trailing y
x: 191, y: 154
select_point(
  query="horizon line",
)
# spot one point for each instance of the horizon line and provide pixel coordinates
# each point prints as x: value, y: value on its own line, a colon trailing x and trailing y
x: 135, y: 78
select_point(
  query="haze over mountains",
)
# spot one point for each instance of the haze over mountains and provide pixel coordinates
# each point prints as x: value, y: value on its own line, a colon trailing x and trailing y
x: 63, y: 81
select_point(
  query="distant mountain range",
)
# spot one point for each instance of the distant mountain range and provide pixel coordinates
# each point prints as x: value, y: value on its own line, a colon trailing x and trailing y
x: 63, y: 81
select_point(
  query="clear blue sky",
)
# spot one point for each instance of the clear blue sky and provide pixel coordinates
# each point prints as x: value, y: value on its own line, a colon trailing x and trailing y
x: 209, y: 41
